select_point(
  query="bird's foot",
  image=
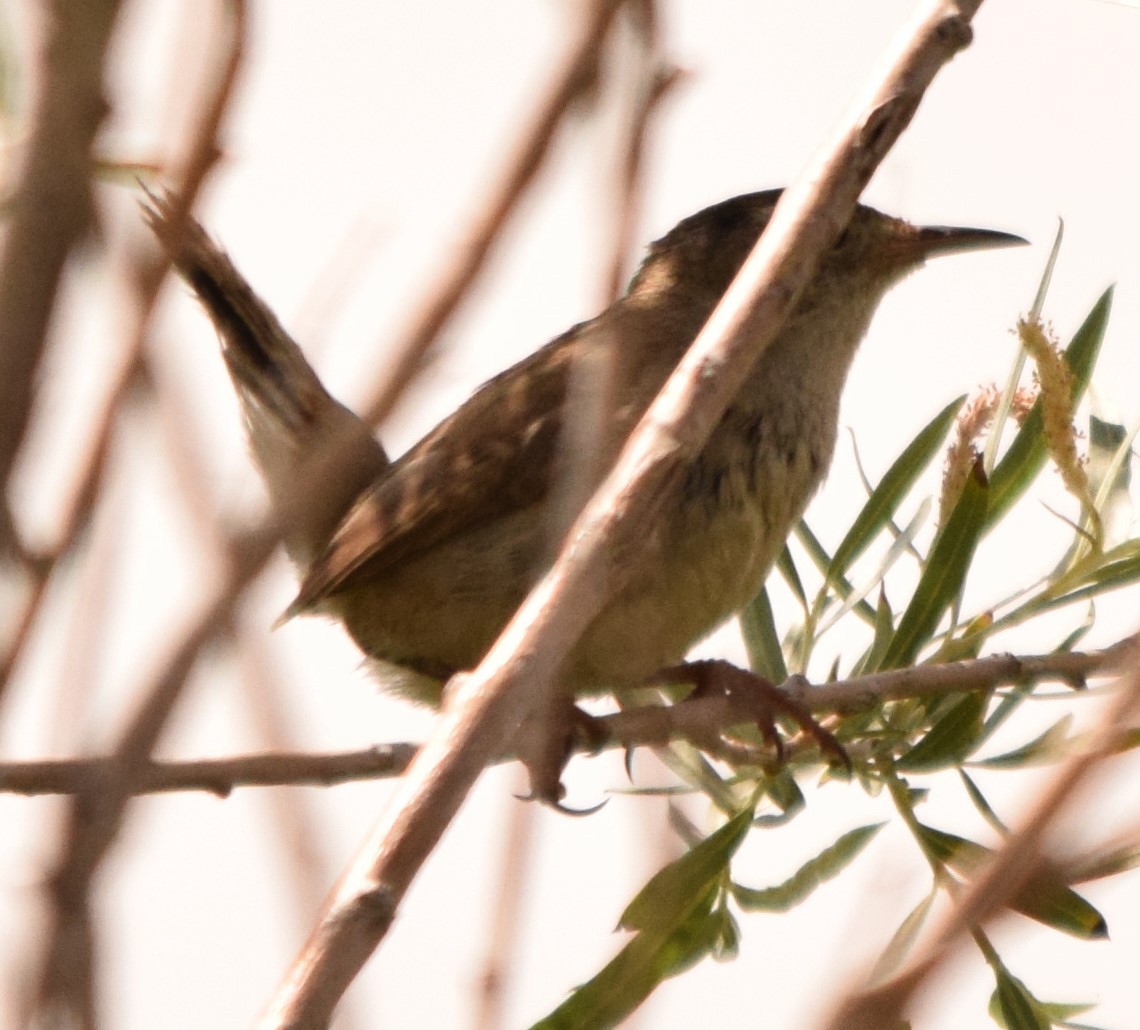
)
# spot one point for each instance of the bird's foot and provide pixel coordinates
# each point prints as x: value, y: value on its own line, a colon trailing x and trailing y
x: 759, y: 701
x: 544, y: 744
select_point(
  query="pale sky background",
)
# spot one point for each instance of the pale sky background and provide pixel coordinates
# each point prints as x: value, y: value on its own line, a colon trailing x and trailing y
x: 379, y: 126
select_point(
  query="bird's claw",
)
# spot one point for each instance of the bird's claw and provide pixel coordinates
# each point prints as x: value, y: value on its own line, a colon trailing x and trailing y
x: 762, y: 700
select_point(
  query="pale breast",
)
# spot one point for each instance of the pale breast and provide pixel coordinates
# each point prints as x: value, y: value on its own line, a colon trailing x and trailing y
x: 718, y: 539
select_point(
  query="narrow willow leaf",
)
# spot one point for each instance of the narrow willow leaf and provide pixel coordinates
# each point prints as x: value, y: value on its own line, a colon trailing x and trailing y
x: 684, y: 827
x: 672, y: 892
x: 893, y: 487
x: 951, y: 739
x: 1117, y: 568
x: 813, y: 873
x: 1112, y: 575
x: 631, y: 976
x: 884, y: 631
x: 981, y: 804
x: 1078, y: 634
x: 786, y: 795
x: 1089, y: 568
x: 1027, y: 453
x: 787, y: 569
x: 1044, y: 898
x: 1014, y: 380
x: 1042, y: 750
x: 902, y: 543
x: 966, y: 643
x: 1111, y: 862
x: 942, y: 577
x: 693, y: 767
x: 903, y: 939
x: 1061, y: 1013
x: 758, y: 627
x: 1110, y: 453
x: 678, y: 924
x: 840, y: 584
x: 1014, y: 1006
x: 1003, y: 710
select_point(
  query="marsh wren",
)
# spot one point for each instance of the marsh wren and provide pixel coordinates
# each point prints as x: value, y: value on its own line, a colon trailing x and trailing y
x: 424, y: 559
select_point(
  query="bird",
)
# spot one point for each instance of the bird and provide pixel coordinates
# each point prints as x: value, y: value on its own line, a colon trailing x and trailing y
x: 425, y: 558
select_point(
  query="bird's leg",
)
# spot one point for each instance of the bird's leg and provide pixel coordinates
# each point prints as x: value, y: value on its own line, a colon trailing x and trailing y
x: 760, y: 700
x: 544, y: 743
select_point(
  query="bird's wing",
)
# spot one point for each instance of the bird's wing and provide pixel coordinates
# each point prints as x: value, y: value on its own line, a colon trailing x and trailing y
x: 490, y: 458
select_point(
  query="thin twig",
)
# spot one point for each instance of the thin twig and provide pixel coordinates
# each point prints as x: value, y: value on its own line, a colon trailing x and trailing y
x: 656, y: 76
x: 633, y: 727
x: 574, y: 75
x: 517, y: 853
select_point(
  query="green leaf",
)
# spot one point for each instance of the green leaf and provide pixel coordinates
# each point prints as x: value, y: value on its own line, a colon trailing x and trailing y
x: 673, y: 891
x: 679, y: 923
x: 1041, y: 750
x: 942, y: 577
x: 758, y: 627
x: 786, y: 795
x: 813, y: 873
x: 903, y: 938
x: 1044, y: 898
x: 1110, y: 476
x: 787, y: 568
x: 952, y: 737
x: 1111, y: 862
x: 902, y: 544
x: 1004, y: 709
x: 884, y: 632
x: 684, y: 760
x: 1079, y: 633
x: 1014, y: 1006
x: 1027, y: 453
x: 1109, y: 467
x: 981, y: 804
x: 893, y: 487
x: 822, y: 561
x: 1117, y: 568
x: 631, y: 976
x: 993, y: 443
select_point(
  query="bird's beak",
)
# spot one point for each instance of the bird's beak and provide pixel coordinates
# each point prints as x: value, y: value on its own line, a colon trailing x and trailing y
x: 929, y: 241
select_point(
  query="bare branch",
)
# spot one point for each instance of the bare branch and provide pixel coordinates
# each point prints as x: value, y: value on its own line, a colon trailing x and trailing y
x: 218, y: 776
x: 51, y: 212
x: 146, y: 271
x: 96, y: 813
x: 697, y: 721
x: 574, y: 74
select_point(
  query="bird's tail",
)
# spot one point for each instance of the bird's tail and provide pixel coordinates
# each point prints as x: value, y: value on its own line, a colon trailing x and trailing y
x: 289, y: 415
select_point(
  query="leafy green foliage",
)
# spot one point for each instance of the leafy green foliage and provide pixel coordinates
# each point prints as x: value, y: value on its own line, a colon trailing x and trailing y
x: 685, y: 912
x: 825, y: 866
x: 679, y: 916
